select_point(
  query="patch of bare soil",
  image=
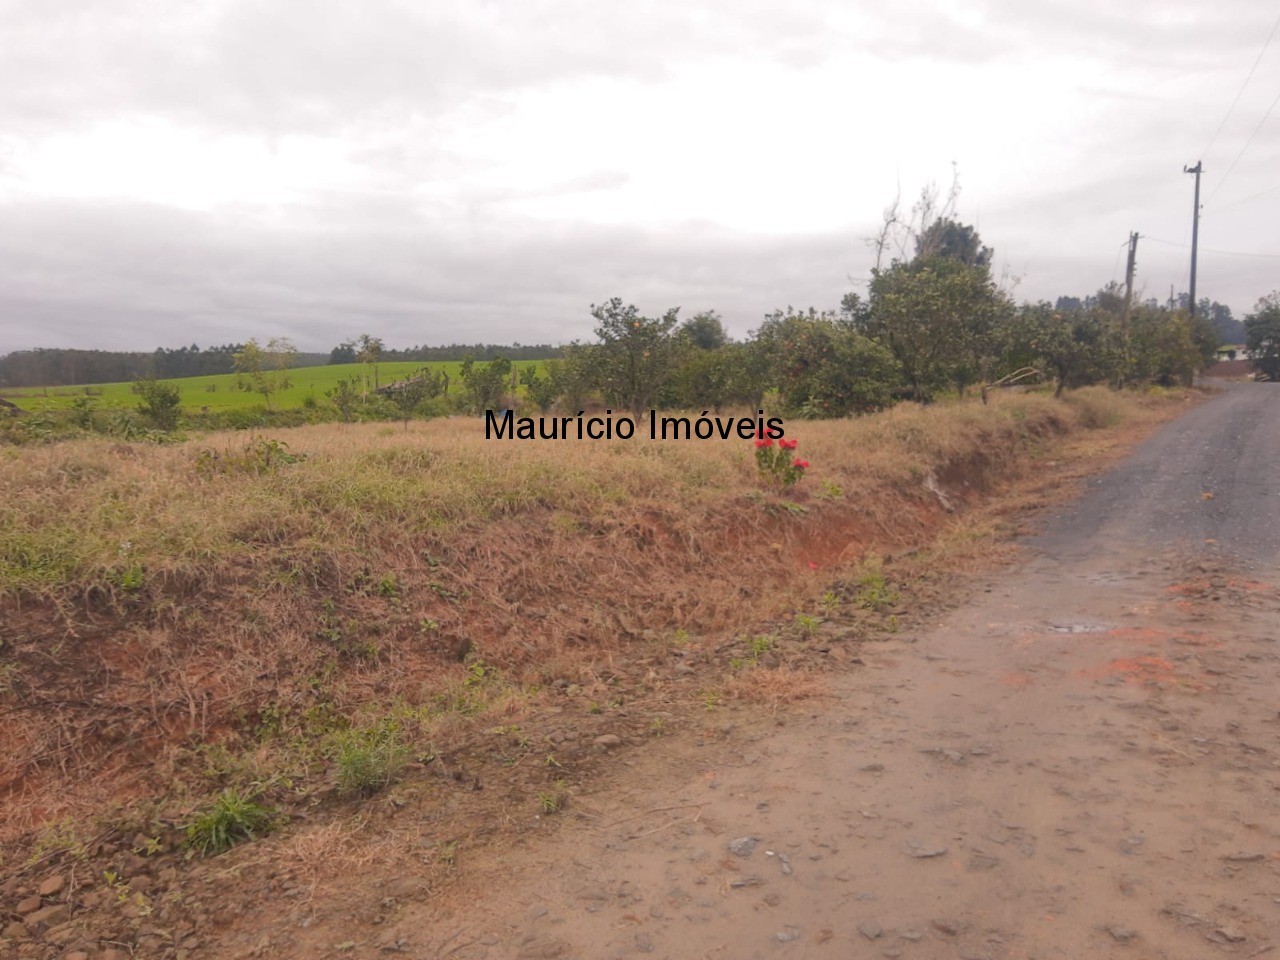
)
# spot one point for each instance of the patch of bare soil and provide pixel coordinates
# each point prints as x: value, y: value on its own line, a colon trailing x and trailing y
x: 853, y: 748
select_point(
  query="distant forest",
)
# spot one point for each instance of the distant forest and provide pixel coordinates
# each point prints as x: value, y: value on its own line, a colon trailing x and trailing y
x: 56, y: 367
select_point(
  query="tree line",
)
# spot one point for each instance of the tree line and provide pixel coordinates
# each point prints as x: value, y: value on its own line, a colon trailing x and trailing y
x: 933, y: 321
x: 60, y: 367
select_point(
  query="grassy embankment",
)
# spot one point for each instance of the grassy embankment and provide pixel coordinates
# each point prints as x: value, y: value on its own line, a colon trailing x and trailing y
x: 178, y: 620
x: 219, y: 393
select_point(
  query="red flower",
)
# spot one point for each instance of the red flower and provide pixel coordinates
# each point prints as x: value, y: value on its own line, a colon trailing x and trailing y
x: 764, y: 442
x: 802, y: 464
x: 788, y: 444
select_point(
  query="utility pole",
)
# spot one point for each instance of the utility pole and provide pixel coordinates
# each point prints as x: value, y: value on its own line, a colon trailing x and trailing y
x: 1128, y: 301
x: 1128, y: 272
x: 1195, y: 232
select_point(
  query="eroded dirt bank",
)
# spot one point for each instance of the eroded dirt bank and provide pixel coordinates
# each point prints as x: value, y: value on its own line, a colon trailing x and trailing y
x: 1077, y: 760
x: 1082, y: 761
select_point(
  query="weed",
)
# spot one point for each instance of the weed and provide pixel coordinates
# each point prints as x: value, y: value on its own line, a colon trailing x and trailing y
x: 830, y: 491
x: 449, y: 854
x: 60, y: 836
x: 131, y: 578
x: 658, y: 727
x: 443, y: 592
x: 808, y: 625
x: 554, y: 800
x: 830, y: 603
x: 233, y: 818
x: 388, y: 587
x: 757, y: 647
x: 874, y: 590
x: 259, y: 456
x: 368, y: 759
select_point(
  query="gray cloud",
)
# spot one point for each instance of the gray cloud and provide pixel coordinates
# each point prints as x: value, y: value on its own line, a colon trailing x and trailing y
x: 425, y: 250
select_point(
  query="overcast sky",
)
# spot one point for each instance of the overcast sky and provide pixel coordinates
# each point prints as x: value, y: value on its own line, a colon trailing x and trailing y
x: 483, y: 170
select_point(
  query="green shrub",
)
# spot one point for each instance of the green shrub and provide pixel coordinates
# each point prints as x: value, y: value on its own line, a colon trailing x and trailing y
x: 161, y: 403
x: 369, y: 759
x: 233, y: 818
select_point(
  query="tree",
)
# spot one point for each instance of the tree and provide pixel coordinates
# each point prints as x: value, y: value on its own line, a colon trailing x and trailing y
x: 952, y: 240
x: 705, y: 331
x: 486, y: 382
x: 823, y: 367
x: 265, y: 371
x: 937, y: 316
x: 344, y: 352
x: 541, y: 390
x: 1078, y: 345
x: 1262, y: 335
x: 636, y: 355
x: 369, y: 352
x: 408, y: 395
x: 161, y: 403
x: 1162, y: 346
x: 345, y: 395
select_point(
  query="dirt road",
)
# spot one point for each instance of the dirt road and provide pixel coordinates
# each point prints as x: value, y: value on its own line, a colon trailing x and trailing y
x: 1084, y: 761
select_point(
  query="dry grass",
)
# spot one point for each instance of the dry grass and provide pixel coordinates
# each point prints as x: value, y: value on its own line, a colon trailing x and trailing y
x: 154, y: 600
x: 777, y: 686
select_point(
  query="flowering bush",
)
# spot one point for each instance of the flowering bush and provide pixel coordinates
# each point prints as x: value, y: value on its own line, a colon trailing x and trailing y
x: 777, y: 462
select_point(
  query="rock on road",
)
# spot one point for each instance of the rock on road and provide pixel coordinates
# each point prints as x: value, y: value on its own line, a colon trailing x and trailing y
x: 1083, y: 761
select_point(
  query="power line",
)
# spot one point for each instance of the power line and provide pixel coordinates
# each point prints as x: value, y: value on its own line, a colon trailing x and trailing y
x: 1225, y: 253
x: 1231, y: 108
x: 1244, y: 148
x: 1252, y: 196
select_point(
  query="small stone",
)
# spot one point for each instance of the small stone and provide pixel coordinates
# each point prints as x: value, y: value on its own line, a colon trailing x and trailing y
x: 51, y: 886
x: 16, y: 931
x: 1121, y: 934
x: 76, y: 955
x: 872, y: 931
x: 114, y: 954
x: 922, y: 851
x: 540, y: 948
x: 644, y: 943
x: 787, y: 934
x: 1230, y: 935
x: 743, y: 846
x: 948, y: 928
x: 915, y: 936
x: 50, y: 915
x: 29, y: 905
x: 1244, y: 857
x: 872, y: 768
x: 608, y: 741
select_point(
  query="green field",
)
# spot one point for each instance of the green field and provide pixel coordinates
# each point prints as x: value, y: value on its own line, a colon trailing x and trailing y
x: 220, y: 393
